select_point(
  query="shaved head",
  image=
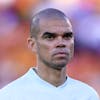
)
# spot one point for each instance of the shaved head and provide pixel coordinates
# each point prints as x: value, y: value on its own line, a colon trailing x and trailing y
x: 51, y: 33
x: 47, y: 14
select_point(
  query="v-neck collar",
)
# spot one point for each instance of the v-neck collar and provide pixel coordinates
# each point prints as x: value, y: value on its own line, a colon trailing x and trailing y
x: 45, y: 83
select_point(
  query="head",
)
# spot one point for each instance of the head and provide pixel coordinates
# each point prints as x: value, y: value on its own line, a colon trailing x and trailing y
x: 52, y: 38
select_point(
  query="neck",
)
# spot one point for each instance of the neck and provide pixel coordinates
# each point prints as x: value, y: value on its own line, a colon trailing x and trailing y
x: 53, y: 76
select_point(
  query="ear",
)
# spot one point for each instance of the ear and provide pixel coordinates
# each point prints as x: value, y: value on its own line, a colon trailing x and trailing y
x: 31, y: 44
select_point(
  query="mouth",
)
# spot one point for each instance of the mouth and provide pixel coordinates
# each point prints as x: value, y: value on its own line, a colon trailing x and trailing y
x: 61, y: 54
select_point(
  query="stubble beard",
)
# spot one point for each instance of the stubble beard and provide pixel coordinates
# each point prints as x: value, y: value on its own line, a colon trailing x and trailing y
x: 54, y: 64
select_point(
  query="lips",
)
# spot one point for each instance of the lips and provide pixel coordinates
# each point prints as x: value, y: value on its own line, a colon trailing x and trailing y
x: 61, y: 53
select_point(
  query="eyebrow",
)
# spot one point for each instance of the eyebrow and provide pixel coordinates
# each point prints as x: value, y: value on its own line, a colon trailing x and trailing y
x: 68, y: 33
x: 54, y: 34
x: 48, y: 33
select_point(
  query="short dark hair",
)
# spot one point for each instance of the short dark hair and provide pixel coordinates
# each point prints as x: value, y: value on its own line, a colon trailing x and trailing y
x: 46, y: 13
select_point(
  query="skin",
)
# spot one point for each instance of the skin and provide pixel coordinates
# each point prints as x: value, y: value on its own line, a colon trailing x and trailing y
x: 54, y: 46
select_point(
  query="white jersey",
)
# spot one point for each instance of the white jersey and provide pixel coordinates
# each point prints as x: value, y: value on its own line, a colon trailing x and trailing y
x: 31, y: 87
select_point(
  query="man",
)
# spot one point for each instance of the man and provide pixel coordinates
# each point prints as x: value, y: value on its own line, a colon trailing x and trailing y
x: 52, y: 39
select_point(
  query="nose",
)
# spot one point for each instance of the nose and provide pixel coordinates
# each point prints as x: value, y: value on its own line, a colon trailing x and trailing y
x: 60, y: 46
x: 60, y: 43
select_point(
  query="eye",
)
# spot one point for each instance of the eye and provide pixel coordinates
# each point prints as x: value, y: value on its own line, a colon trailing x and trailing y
x: 49, y: 36
x: 68, y: 35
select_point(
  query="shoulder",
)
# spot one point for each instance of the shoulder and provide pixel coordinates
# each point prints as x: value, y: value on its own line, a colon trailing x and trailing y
x: 83, y: 88
x: 15, y: 87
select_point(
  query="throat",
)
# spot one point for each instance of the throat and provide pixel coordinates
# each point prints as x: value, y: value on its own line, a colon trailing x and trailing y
x: 54, y: 77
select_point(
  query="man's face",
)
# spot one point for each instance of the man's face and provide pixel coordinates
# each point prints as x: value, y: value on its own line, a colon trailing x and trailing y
x: 55, y: 43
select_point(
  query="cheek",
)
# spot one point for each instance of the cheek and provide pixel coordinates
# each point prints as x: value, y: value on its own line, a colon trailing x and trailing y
x: 43, y: 48
x: 72, y: 48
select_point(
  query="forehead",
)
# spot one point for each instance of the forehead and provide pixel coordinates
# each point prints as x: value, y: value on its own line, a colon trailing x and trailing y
x: 55, y: 25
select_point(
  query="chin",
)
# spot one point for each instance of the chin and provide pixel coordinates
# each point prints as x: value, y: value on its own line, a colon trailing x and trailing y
x: 58, y: 66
